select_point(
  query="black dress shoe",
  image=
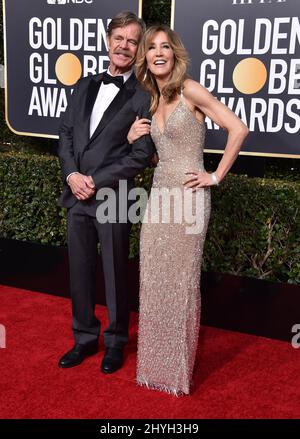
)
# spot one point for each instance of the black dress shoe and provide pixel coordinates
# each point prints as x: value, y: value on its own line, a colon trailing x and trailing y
x: 77, y: 354
x: 112, y: 360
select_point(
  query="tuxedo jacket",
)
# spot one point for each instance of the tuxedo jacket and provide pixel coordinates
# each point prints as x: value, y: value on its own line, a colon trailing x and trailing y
x: 106, y: 156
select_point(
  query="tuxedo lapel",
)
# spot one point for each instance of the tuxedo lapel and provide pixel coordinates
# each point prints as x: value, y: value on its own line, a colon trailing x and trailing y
x: 92, y: 93
x: 121, y: 98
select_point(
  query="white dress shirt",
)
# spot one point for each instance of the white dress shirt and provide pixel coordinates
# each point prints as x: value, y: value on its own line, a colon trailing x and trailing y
x: 106, y: 94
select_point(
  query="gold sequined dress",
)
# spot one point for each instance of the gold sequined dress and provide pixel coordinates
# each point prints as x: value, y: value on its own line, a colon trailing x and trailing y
x: 170, y: 258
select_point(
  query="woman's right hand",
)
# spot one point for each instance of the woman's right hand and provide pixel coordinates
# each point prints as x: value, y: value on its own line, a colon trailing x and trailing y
x: 139, y: 128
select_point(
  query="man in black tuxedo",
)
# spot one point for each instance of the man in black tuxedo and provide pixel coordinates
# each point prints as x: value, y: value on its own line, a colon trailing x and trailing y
x: 94, y: 153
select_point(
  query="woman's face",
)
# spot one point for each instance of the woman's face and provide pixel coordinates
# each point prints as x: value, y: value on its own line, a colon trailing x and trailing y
x: 160, y: 56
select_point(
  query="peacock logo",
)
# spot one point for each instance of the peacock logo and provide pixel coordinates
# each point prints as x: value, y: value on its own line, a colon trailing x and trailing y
x: 56, y: 2
x: 65, y: 2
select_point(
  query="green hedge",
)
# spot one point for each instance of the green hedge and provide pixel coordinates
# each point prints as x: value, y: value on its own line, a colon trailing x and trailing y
x: 30, y: 186
x: 254, y: 228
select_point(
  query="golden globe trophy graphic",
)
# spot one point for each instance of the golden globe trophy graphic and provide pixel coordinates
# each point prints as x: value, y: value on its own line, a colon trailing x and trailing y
x: 249, y: 75
x: 68, y: 69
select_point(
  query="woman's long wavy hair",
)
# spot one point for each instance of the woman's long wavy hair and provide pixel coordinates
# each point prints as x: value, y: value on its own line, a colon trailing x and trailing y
x: 178, y: 74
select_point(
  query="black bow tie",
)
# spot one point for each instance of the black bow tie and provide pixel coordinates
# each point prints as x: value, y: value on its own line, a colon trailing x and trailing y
x: 117, y: 80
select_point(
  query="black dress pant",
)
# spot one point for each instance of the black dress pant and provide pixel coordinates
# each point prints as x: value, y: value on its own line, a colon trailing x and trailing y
x: 84, y: 233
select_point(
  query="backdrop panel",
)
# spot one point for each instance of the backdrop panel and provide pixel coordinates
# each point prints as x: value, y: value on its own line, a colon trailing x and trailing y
x: 49, y: 45
x: 247, y: 53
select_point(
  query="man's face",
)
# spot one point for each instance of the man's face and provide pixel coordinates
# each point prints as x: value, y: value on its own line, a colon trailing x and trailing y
x: 122, y: 47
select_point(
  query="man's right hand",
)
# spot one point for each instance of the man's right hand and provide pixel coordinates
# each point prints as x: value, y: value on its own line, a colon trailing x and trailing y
x: 82, y: 186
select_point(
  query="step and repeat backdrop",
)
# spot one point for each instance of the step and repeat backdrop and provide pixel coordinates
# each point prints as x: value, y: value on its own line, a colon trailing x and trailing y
x: 245, y: 52
x: 50, y: 44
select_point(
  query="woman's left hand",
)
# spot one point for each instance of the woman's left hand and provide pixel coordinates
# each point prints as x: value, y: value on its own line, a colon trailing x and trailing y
x: 198, y: 179
x: 139, y: 128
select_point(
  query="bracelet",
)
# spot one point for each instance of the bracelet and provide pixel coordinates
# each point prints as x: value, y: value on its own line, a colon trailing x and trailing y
x: 214, y: 179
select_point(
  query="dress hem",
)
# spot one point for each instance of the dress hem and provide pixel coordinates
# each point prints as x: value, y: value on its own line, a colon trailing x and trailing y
x: 161, y: 387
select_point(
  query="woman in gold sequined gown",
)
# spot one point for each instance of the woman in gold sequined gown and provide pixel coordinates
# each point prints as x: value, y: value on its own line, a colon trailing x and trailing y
x: 171, y: 248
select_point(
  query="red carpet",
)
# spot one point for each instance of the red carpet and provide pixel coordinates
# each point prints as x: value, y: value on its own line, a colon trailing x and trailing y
x: 236, y: 376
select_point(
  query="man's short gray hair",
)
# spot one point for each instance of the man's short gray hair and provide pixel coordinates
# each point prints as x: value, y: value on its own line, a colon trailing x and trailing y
x: 124, y: 19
